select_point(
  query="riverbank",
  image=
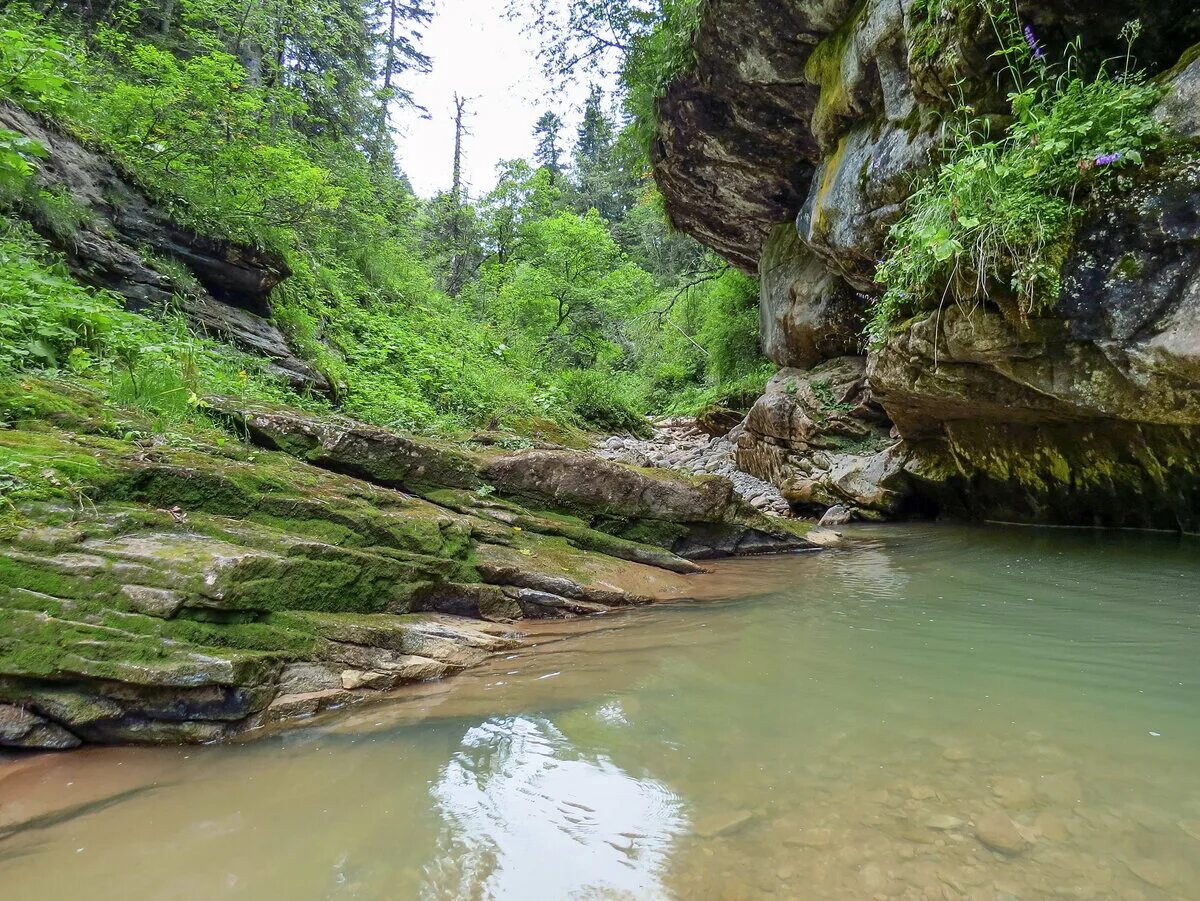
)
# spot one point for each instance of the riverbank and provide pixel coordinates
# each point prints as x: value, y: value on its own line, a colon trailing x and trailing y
x: 188, y: 586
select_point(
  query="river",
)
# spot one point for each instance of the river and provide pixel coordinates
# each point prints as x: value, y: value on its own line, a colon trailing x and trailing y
x: 848, y: 724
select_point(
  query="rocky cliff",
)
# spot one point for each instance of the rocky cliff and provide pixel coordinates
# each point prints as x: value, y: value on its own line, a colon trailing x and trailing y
x: 790, y: 147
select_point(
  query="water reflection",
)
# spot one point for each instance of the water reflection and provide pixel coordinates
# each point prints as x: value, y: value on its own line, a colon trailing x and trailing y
x: 834, y: 726
x: 529, y: 816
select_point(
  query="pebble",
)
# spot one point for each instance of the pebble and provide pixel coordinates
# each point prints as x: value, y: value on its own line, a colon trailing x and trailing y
x: 723, y: 823
x: 1014, y: 793
x: 1052, y: 827
x: 943, y: 822
x: 809, y: 838
x: 679, y: 444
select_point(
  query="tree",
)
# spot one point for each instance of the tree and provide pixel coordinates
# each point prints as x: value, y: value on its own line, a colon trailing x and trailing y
x: 605, y: 179
x: 548, y: 153
x: 570, y: 287
x: 523, y: 195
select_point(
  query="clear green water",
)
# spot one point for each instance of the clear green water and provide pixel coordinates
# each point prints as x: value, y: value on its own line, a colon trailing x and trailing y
x: 833, y: 728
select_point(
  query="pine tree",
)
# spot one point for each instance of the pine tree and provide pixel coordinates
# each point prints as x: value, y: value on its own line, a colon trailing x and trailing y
x: 595, y: 136
x: 548, y: 154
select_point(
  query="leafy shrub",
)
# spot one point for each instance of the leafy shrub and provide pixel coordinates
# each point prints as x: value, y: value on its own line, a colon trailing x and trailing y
x: 655, y: 58
x: 49, y: 322
x: 603, y: 400
x: 999, y: 213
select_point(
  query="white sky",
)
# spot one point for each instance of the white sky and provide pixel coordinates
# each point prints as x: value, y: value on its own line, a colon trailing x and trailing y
x: 478, y: 52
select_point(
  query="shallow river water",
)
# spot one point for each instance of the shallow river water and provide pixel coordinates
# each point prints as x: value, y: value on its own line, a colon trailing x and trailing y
x: 832, y: 725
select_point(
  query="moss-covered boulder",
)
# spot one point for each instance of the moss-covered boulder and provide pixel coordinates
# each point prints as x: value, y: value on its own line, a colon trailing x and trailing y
x: 160, y: 587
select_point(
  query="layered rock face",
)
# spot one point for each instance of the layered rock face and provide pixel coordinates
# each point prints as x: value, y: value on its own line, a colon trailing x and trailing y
x: 790, y: 148
x: 124, y: 239
x: 185, y: 591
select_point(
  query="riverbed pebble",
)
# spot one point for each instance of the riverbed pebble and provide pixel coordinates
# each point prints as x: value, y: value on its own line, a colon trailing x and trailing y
x: 680, y: 444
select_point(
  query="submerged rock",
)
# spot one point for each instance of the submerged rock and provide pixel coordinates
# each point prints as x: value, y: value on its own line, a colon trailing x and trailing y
x: 997, y: 832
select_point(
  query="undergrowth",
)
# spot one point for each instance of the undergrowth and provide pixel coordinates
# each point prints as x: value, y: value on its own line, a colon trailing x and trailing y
x: 998, y: 214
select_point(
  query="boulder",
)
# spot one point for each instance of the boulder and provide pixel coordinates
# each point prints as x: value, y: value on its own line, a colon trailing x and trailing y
x: 997, y: 832
x: 382, y: 456
x: 856, y: 195
x: 1180, y: 108
x: 21, y: 729
x: 806, y: 314
x: 822, y: 439
x: 695, y: 517
x: 1088, y: 413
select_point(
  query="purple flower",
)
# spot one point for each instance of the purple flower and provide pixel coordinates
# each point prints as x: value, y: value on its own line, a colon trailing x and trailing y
x: 1032, y: 41
x: 1107, y: 159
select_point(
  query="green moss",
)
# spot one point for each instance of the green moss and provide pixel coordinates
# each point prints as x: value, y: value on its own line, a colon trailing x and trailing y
x: 645, y: 531
x: 1129, y: 267
x: 21, y: 574
x: 825, y: 68
x: 1189, y: 56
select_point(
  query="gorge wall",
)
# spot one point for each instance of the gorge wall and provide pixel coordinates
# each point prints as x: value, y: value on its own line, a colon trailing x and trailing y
x: 790, y: 146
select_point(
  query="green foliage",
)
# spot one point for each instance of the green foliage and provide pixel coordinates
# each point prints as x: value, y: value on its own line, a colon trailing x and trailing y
x: 998, y: 214
x: 603, y: 400
x: 655, y: 57
x: 550, y: 304
x: 201, y: 137
x: 49, y: 322
x: 32, y: 61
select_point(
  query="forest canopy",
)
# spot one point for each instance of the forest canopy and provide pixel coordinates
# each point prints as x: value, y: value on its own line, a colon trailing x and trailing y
x: 560, y: 299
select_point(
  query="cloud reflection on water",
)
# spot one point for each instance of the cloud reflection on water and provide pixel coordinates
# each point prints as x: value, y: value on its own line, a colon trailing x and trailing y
x: 526, y: 815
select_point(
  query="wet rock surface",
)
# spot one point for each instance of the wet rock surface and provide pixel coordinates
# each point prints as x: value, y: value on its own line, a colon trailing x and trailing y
x: 790, y: 146
x: 204, y: 589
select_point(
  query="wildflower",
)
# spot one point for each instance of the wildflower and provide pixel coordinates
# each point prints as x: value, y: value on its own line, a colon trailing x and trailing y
x: 1032, y: 41
x: 1107, y: 159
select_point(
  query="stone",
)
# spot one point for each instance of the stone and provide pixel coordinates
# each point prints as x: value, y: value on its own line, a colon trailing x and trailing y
x: 806, y: 315
x: 20, y: 728
x: 719, y: 523
x: 343, y: 445
x: 835, y: 516
x: 353, y: 680
x: 153, y: 601
x: 1052, y: 827
x: 1014, y: 793
x: 1180, y: 107
x: 944, y: 822
x: 856, y: 195
x: 999, y: 833
x: 724, y: 823
x: 307, y: 678
x: 826, y: 538
x: 809, y: 838
x: 1062, y: 789
x: 821, y: 438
